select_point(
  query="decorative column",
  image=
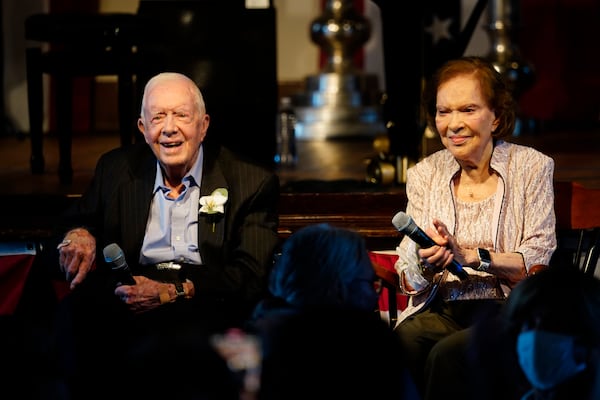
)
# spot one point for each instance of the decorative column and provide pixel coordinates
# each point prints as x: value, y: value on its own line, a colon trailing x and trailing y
x: 503, y: 19
x: 340, y: 101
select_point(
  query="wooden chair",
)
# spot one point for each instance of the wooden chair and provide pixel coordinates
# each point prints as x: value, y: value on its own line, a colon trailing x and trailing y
x: 537, y: 268
x: 578, y: 224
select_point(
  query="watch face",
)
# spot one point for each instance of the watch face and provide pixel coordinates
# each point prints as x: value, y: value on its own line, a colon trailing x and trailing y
x: 484, y: 259
x: 484, y: 255
x: 179, y: 289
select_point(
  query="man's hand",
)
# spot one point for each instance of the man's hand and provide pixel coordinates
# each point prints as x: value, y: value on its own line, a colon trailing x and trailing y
x: 144, y: 295
x: 77, y: 255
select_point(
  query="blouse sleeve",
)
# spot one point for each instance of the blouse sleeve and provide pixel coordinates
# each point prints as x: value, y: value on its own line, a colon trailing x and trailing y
x: 539, y: 230
x: 408, y: 265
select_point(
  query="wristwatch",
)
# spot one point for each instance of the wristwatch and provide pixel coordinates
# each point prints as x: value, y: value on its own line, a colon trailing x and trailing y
x: 485, y: 259
x: 179, y: 290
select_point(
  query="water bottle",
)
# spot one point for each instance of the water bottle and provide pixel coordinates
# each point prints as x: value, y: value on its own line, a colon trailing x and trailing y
x: 285, y: 154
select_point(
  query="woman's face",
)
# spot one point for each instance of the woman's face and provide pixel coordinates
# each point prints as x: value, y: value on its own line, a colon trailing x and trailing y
x: 463, y: 119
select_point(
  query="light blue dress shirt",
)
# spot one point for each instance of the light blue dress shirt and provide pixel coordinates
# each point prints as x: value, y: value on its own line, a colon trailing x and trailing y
x: 172, y: 230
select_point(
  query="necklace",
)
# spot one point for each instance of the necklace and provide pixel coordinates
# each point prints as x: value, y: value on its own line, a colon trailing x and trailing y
x: 467, y: 189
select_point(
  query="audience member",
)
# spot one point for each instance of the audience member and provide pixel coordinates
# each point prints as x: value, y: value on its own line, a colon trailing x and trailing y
x: 319, y: 329
x: 195, y: 225
x: 319, y: 265
x: 487, y: 204
x: 180, y: 364
x: 334, y: 353
x: 545, y: 344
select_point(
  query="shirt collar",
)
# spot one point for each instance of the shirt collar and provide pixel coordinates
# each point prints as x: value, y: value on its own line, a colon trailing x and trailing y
x: 192, y: 178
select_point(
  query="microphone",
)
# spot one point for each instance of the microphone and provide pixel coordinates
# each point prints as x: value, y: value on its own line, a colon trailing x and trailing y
x: 114, y: 256
x: 405, y: 224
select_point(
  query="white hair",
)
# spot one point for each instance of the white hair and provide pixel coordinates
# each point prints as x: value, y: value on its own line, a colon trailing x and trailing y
x: 175, y: 76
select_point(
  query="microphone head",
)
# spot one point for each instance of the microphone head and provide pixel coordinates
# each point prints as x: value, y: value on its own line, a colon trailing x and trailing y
x: 114, y: 255
x: 401, y: 220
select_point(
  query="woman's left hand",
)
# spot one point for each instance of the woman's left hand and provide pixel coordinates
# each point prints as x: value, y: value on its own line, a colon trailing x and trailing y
x: 447, y: 248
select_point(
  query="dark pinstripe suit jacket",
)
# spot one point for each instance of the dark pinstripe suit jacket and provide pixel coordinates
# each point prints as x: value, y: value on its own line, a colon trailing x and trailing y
x: 237, y: 256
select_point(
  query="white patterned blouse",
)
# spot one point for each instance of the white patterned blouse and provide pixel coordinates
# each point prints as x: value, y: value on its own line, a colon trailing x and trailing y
x: 519, y: 218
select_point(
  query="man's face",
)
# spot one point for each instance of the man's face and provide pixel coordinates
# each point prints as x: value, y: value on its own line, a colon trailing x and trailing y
x: 173, y: 126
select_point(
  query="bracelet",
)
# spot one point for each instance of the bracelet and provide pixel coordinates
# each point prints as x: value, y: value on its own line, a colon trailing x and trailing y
x: 163, y: 295
x: 427, y: 270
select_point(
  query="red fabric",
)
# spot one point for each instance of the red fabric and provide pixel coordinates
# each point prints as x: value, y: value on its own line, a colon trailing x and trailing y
x: 576, y: 206
x: 61, y: 288
x: 585, y: 213
x: 559, y: 39
x: 14, y: 270
x: 387, y: 261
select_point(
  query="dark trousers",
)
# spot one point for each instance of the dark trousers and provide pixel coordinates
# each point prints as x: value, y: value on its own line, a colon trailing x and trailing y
x: 436, y: 343
x: 96, y: 337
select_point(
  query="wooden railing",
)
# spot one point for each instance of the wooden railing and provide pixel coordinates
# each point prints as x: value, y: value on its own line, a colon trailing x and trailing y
x: 369, y: 213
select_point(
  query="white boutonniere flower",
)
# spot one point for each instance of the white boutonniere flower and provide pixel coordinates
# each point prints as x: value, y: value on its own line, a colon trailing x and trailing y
x: 214, y: 204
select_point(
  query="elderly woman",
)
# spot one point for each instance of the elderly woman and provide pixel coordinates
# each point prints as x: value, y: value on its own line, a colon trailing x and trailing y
x: 487, y: 204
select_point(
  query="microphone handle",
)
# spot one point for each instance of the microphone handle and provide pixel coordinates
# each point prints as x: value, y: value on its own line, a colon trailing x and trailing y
x: 456, y: 268
x: 123, y: 276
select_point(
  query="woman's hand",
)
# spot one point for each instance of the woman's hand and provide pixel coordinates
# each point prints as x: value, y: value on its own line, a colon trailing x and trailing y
x: 446, y: 249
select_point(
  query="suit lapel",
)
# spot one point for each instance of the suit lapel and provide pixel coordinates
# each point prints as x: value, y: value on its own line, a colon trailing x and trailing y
x: 211, y: 227
x: 136, y: 198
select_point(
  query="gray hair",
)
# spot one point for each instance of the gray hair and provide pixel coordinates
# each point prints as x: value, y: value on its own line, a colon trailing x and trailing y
x: 175, y: 76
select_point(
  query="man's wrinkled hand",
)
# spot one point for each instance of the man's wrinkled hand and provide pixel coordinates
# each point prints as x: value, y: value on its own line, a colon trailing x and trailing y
x: 143, y: 296
x: 77, y: 255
